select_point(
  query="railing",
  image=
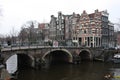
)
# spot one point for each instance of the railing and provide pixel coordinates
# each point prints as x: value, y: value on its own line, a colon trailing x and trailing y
x: 8, y: 48
x: 35, y: 46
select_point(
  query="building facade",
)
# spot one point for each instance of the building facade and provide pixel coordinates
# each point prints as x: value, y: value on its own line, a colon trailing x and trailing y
x: 111, y: 39
x: 94, y: 30
x: 52, y: 28
x: 43, y: 32
x: 60, y: 29
x: 89, y: 30
x: 118, y: 40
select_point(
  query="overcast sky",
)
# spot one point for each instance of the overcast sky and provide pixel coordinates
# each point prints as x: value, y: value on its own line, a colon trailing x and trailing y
x: 16, y: 12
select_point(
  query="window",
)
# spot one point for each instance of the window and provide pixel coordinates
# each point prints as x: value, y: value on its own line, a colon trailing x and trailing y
x: 89, y: 31
x: 92, y: 22
x: 85, y: 31
x: 91, y: 38
x: 73, y: 38
x: 94, y: 31
x: 80, y: 31
x: 97, y: 31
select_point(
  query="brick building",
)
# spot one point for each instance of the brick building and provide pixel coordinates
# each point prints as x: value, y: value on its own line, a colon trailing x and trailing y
x: 70, y: 23
x: 93, y: 29
x: 61, y: 28
x: 43, y: 31
x: 52, y: 28
x: 90, y: 30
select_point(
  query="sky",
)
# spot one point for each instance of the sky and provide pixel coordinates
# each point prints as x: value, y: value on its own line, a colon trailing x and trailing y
x: 15, y: 13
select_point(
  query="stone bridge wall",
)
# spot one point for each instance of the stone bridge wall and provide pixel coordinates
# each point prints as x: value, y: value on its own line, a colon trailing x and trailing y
x: 40, y: 52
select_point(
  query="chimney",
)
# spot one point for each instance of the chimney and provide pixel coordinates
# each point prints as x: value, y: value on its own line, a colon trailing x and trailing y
x: 96, y: 11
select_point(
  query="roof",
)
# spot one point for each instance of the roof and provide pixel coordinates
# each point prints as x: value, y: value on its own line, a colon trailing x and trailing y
x: 91, y: 15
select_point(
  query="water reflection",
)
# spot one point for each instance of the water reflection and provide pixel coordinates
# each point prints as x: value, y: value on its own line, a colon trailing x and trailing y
x: 83, y: 71
x: 115, y: 71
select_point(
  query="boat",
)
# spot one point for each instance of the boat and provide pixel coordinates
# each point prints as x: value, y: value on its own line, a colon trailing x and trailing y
x: 117, y: 76
x: 116, y: 58
x: 111, y: 76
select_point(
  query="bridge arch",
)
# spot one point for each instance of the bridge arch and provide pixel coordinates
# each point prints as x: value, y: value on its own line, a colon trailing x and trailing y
x: 23, y: 60
x: 58, y: 55
x: 85, y: 54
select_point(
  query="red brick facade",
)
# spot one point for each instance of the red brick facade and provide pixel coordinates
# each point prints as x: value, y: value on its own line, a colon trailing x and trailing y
x: 89, y: 29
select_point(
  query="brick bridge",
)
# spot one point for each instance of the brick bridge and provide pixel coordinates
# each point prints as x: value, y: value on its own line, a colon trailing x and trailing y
x: 37, y: 55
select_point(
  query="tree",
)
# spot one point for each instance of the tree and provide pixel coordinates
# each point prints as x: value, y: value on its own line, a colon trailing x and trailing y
x: 8, y: 39
x: 23, y: 36
x: 28, y: 32
x: 13, y: 35
x: 117, y: 26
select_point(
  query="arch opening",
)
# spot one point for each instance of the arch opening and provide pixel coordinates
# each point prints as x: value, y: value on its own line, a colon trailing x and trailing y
x: 58, y: 57
x: 24, y: 61
x: 16, y: 62
x: 85, y: 55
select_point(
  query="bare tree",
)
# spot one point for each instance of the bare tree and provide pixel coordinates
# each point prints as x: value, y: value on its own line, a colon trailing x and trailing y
x: 8, y: 39
x: 28, y: 32
x: 23, y: 36
x: 117, y: 25
x: 13, y: 35
x: 2, y: 39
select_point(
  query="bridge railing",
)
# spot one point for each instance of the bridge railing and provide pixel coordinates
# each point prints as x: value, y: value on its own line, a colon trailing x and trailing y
x: 34, y: 47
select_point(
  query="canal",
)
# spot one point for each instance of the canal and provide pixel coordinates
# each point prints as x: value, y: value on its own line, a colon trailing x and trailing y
x: 82, y: 71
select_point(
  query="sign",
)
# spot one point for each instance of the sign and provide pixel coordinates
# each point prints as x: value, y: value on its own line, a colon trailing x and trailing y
x: 55, y: 43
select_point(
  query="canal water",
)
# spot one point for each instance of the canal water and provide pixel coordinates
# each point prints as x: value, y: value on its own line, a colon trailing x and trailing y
x: 82, y: 71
